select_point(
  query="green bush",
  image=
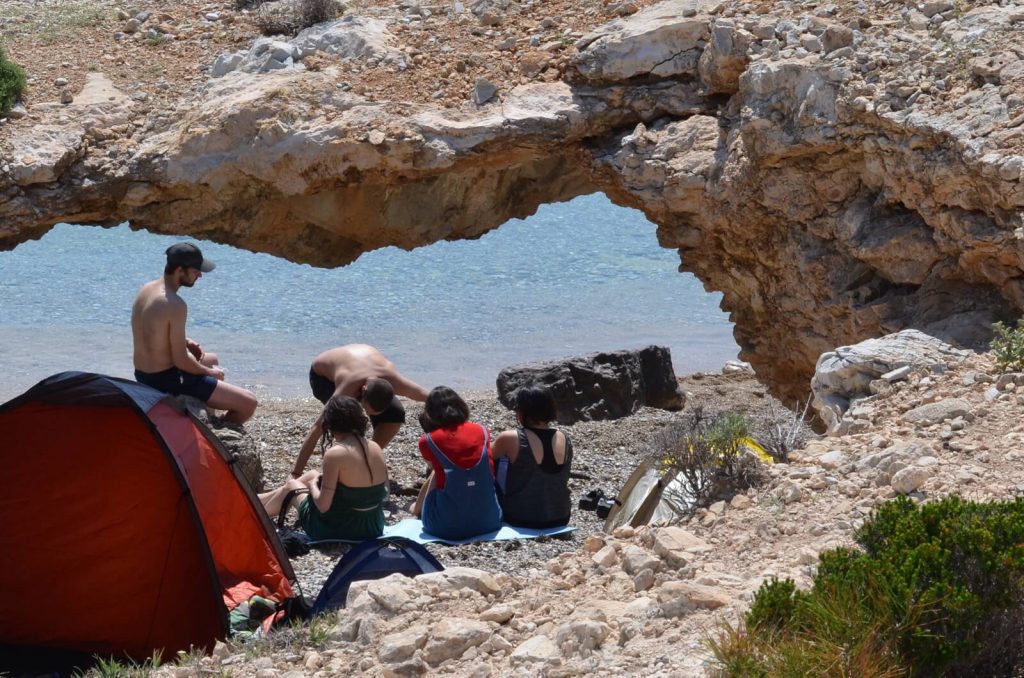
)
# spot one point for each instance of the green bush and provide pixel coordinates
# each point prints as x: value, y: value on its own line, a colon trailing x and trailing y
x: 774, y: 605
x: 934, y: 590
x: 12, y: 82
x: 1008, y: 346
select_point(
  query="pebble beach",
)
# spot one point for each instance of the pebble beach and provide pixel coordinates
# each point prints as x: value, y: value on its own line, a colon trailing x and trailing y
x: 605, y: 454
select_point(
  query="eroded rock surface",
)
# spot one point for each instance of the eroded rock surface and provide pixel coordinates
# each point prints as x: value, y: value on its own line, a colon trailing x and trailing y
x: 837, y: 175
x: 599, y: 385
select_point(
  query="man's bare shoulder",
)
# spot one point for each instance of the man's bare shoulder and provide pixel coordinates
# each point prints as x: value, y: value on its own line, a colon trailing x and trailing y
x: 156, y: 296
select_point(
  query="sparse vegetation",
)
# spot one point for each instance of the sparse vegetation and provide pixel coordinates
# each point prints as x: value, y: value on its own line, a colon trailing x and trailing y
x: 1008, y: 346
x: 707, y: 457
x: 109, y: 667
x: 784, y: 430
x: 288, y: 17
x: 936, y: 590
x: 12, y: 82
x: 59, y: 19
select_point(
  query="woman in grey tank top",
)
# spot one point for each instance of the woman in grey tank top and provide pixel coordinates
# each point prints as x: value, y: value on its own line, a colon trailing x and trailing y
x: 532, y: 464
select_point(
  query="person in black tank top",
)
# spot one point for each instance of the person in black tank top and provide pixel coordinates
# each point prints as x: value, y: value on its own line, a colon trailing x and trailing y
x: 533, y: 463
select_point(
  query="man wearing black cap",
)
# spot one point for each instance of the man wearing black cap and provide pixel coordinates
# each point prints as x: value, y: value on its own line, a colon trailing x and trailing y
x: 165, y: 358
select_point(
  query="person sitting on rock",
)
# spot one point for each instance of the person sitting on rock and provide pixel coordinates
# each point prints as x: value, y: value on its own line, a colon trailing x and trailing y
x: 533, y: 464
x: 346, y: 500
x: 458, y: 500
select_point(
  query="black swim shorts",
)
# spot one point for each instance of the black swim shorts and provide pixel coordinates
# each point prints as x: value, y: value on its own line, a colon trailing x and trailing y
x: 323, y: 388
x: 176, y: 382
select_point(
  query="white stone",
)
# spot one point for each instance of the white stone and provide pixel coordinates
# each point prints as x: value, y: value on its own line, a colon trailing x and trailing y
x: 676, y: 546
x: 400, y: 646
x: 450, y: 638
x: 455, y: 578
x: 832, y: 459
x: 909, y: 479
x: 635, y: 559
x: 538, y: 649
x: 390, y: 593
x: 606, y: 557
x: 500, y: 613
x: 697, y: 595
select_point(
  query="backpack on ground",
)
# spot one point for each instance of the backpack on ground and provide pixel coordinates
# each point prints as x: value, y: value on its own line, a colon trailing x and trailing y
x: 373, y: 559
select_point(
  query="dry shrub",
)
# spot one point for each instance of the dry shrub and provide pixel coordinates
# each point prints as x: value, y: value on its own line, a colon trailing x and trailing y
x: 288, y: 17
x: 784, y: 430
x: 708, y: 458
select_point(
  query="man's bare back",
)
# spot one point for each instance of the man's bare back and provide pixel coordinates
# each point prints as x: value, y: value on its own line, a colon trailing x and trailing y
x: 152, y: 313
x: 351, y: 365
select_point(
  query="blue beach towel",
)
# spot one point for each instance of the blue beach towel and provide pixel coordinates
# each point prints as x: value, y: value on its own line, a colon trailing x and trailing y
x: 412, y: 528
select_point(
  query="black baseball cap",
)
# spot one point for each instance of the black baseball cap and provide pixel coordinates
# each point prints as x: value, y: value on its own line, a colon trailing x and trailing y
x: 188, y: 255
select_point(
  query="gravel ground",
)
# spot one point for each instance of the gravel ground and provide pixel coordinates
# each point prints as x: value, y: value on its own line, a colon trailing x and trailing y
x: 605, y: 453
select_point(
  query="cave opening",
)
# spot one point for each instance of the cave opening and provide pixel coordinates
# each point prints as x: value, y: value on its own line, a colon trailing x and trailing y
x: 576, y: 277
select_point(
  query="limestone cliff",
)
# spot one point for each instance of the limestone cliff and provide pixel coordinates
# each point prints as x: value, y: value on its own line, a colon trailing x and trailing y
x: 836, y: 175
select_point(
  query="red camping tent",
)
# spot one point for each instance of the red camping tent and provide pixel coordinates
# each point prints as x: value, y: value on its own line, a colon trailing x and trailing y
x: 123, y: 524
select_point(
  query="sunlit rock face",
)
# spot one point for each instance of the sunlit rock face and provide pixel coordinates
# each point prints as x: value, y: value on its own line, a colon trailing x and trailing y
x: 829, y: 198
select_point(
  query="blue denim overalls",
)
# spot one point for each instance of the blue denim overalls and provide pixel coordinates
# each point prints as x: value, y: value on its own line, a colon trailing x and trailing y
x: 468, y: 505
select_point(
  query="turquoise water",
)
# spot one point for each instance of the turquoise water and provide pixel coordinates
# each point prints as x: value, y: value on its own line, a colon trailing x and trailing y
x: 574, y: 278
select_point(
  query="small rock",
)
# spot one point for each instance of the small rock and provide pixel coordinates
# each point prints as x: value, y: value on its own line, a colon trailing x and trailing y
x: 909, y: 479
x: 624, y: 532
x: 398, y: 647
x: 499, y: 613
x: 539, y: 649
x: 483, y: 91
x: 643, y: 580
x: 606, y: 557
x: 740, y: 502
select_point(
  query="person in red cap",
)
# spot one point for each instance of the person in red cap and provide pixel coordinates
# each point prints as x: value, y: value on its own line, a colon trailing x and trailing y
x: 165, y: 358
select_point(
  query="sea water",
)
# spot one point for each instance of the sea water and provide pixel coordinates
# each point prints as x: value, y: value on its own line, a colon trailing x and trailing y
x: 576, y: 277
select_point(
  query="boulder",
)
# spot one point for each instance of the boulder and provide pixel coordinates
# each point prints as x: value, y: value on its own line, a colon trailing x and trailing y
x: 458, y: 578
x: 664, y: 40
x: 942, y: 410
x: 843, y: 375
x: 600, y: 385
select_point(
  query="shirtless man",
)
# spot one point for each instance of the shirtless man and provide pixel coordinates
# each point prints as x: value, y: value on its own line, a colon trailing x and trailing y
x: 360, y: 371
x: 165, y: 358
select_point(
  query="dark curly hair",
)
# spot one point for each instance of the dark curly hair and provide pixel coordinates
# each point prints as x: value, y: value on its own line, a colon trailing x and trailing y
x: 443, y: 408
x: 343, y: 414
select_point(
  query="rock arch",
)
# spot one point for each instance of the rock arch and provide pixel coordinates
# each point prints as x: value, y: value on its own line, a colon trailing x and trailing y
x: 826, y: 209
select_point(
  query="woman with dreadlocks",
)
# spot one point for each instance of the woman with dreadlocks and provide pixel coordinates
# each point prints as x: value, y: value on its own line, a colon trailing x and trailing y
x: 346, y: 501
